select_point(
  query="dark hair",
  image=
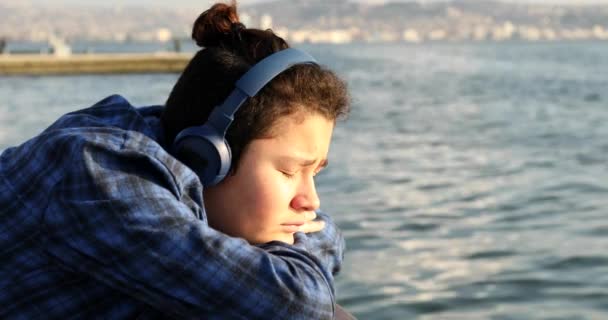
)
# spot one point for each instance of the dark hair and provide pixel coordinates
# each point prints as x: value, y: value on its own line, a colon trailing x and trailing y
x: 229, y: 50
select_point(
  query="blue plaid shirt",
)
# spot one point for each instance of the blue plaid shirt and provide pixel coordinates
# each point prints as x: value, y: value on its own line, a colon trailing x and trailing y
x: 97, y: 220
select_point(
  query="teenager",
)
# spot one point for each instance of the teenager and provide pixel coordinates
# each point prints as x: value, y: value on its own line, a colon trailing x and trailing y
x: 103, y: 216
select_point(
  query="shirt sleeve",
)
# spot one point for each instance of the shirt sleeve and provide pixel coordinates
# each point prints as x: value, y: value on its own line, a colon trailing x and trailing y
x: 129, y: 221
x: 326, y: 245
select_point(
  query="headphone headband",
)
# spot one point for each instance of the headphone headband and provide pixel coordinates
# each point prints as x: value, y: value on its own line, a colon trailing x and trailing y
x: 253, y: 81
x: 268, y: 68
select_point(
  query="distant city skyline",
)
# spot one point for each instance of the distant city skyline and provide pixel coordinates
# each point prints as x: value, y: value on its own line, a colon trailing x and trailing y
x: 202, y: 3
x: 319, y: 21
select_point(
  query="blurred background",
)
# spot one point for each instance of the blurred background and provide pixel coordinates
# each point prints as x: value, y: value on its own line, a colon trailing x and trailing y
x: 470, y: 180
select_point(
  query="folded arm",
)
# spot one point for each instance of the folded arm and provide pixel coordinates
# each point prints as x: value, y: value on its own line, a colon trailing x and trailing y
x: 327, y: 245
x: 134, y: 223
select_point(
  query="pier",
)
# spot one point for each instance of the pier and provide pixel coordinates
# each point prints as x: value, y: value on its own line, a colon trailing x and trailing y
x: 93, y: 63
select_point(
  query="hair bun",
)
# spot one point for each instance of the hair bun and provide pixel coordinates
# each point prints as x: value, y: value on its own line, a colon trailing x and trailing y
x: 213, y: 26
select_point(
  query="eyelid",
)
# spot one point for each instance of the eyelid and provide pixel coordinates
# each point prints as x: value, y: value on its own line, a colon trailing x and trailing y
x: 288, y: 174
x: 292, y: 173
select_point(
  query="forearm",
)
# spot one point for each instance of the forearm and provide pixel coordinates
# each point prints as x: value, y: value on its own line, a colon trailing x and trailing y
x: 188, y: 269
x: 152, y: 244
x: 327, y: 245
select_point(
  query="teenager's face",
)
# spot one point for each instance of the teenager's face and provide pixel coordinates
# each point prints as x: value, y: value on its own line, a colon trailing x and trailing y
x: 273, y: 190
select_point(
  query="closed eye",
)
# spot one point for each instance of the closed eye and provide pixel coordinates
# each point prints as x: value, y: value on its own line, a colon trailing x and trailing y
x: 289, y: 175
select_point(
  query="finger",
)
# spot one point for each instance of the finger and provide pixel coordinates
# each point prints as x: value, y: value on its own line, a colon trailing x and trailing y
x: 312, y: 226
x: 310, y: 216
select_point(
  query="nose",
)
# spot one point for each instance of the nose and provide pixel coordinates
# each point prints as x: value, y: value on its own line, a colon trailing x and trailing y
x: 306, y: 199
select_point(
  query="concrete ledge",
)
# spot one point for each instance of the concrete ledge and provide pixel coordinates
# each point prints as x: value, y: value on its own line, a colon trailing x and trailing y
x: 36, y: 64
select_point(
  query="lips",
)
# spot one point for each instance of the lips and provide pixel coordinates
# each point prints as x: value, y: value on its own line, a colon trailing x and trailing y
x: 292, y: 227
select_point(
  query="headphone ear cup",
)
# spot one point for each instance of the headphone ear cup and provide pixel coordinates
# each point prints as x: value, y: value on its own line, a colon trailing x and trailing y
x: 205, y: 152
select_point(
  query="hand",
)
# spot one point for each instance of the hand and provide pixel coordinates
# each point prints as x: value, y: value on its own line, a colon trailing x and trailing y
x: 311, y: 224
x: 327, y: 245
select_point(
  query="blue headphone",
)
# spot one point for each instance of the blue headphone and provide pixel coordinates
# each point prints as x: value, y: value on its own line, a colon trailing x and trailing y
x: 204, y: 149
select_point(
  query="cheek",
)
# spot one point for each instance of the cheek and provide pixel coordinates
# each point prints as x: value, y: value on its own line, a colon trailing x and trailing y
x: 270, y: 196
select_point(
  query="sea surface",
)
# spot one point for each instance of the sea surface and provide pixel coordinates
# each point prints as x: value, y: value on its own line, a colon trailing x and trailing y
x: 470, y: 180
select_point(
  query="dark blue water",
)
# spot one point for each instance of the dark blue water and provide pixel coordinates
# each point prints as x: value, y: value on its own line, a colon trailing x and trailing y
x: 471, y: 180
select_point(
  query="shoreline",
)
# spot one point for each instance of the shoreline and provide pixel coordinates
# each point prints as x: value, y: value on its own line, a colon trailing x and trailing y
x: 93, y: 63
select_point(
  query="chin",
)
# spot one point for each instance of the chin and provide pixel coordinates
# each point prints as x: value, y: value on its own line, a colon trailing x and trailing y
x: 286, y: 237
x: 288, y: 240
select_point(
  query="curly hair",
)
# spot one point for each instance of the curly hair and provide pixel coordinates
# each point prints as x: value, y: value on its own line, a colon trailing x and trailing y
x: 229, y: 49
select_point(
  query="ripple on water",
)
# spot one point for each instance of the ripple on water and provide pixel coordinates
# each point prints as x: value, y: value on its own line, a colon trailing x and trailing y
x: 491, y: 254
x: 592, y: 97
x: 508, y: 207
x: 434, y: 186
x: 542, y: 199
x: 578, y: 187
x: 372, y: 301
x: 399, y: 180
x: 600, y: 231
x: 577, y: 262
x: 542, y: 164
x: 364, y: 299
x: 527, y: 284
x: 589, y: 159
x: 387, y: 311
x: 487, y: 294
x: 365, y: 241
x: 475, y: 196
x: 517, y: 220
x: 417, y: 227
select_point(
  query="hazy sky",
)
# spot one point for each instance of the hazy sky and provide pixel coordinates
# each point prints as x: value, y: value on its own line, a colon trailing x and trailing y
x: 199, y: 3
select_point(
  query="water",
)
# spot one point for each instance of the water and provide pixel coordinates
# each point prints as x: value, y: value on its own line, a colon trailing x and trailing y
x: 470, y: 180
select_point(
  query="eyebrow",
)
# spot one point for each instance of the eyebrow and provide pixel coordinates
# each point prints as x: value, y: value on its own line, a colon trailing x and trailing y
x: 308, y: 162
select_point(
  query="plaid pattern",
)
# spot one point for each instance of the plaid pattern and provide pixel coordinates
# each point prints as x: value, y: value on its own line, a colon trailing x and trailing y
x: 98, y: 221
